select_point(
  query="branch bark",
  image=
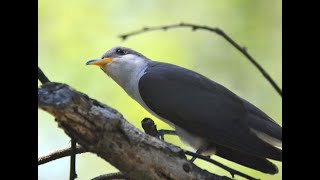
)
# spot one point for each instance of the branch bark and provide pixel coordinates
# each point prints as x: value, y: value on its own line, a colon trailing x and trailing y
x: 103, y: 131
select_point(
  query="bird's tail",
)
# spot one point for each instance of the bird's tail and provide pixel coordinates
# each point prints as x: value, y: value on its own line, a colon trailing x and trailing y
x: 257, y: 163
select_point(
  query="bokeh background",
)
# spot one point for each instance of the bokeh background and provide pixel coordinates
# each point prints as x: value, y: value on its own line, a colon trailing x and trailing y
x: 74, y: 31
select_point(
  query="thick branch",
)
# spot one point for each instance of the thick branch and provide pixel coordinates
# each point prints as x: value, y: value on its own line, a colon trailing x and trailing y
x: 60, y: 153
x: 218, y: 31
x: 102, y: 130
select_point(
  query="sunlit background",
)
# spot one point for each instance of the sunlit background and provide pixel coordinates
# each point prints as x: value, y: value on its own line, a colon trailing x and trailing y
x: 74, y: 31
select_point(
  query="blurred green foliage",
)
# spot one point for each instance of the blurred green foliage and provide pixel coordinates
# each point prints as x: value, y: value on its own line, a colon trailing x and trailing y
x: 72, y: 32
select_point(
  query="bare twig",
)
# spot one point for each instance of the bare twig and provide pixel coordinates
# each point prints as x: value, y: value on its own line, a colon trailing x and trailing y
x: 117, y: 175
x: 102, y: 130
x: 57, y: 154
x: 73, y: 174
x: 67, y: 151
x: 149, y: 125
x: 43, y: 79
x: 218, y: 31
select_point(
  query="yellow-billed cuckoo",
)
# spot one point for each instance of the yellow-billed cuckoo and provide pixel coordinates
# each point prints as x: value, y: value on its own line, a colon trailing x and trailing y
x: 204, y: 114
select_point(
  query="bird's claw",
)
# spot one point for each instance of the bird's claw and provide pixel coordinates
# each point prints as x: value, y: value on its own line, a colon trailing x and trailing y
x: 162, y: 132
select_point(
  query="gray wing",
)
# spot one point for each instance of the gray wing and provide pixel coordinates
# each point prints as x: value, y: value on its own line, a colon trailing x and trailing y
x: 203, y: 107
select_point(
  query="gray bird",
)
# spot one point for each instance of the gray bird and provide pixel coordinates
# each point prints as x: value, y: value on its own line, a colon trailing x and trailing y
x: 205, y: 115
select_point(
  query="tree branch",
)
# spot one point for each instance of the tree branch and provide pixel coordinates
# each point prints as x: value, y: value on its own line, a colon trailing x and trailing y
x: 60, y: 153
x: 151, y: 129
x: 218, y: 31
x: 103, y: 131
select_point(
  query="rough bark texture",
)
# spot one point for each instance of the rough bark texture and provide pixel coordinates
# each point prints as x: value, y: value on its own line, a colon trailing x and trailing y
x: 102, y: 130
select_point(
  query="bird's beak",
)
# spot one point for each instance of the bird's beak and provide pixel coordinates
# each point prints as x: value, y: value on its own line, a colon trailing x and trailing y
x: 99, y: 62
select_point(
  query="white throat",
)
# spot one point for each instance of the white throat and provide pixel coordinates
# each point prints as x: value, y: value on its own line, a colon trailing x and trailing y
x: 126, y: 72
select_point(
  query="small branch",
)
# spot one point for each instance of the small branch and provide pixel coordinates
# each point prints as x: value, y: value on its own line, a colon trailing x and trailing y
x: 42, y: 77
x: 117, y: 175
x: 218, y: 31
x: 102, y: 130
x: 57, y: 154
x: 68, y: 152
x: 73, y: 174
x: 149, y: 125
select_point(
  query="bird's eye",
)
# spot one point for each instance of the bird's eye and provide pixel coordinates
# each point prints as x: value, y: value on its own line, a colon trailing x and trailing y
x: 120, y: 52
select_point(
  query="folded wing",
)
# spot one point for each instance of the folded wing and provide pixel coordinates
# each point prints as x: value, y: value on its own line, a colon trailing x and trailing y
x: 207, y: 109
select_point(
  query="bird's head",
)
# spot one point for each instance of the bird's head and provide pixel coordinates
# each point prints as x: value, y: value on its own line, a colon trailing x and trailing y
x: 120, y: 63
x: 117, y: 55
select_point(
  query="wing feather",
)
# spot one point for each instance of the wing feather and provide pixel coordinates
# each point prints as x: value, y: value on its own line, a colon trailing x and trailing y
x: 201, y: 107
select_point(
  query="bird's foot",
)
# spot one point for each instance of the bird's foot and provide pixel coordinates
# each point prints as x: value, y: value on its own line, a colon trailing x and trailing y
x: 163, y: 132
x: 199, y: 152
x: 150, y: 128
